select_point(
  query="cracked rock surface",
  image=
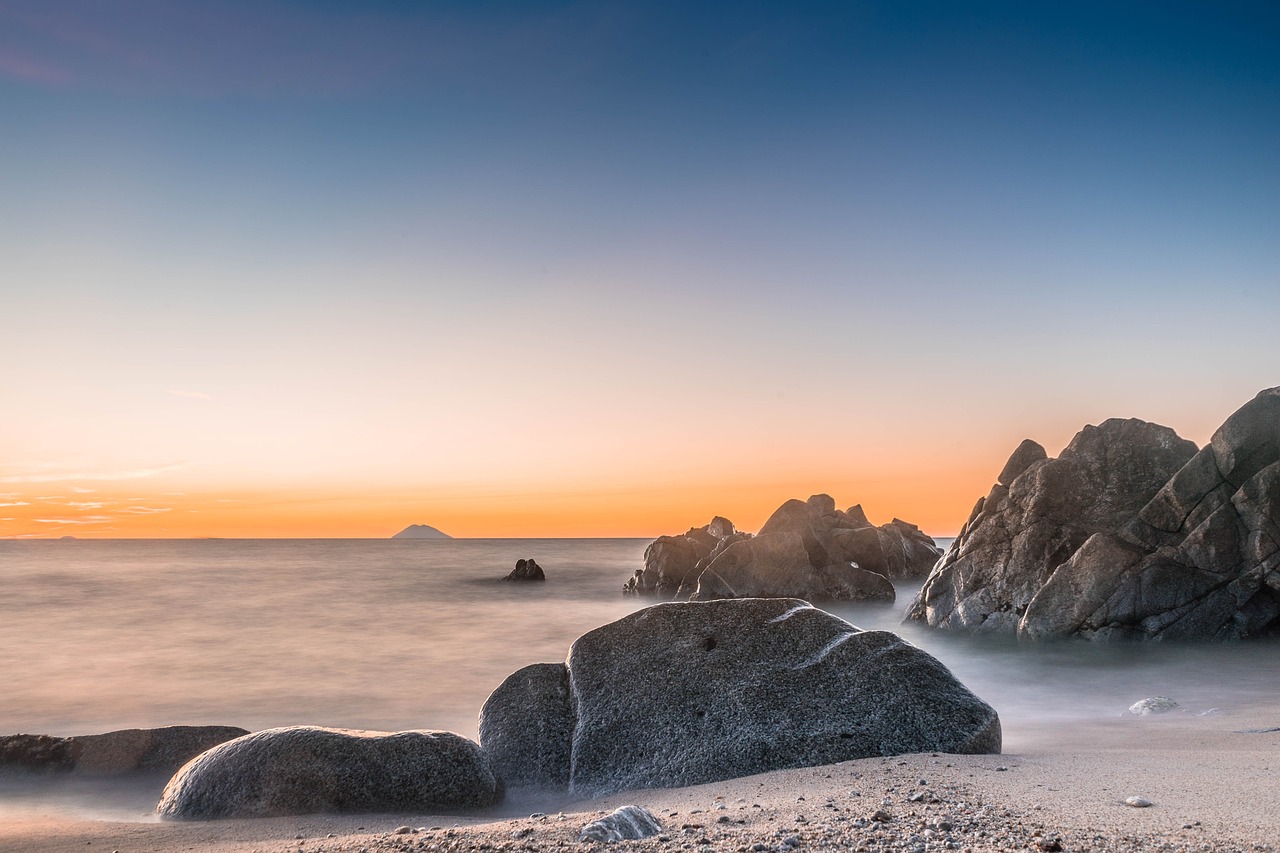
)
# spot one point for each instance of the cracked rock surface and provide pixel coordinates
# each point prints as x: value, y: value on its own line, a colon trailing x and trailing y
x: 807, y: 549
x: 1131, y: 533
x: 688, y: 692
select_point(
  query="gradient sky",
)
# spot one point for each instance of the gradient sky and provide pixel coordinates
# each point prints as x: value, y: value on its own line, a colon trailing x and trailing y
x: 595, y: 269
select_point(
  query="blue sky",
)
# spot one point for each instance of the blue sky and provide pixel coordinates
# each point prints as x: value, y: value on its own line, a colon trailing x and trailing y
x: 950, y: 225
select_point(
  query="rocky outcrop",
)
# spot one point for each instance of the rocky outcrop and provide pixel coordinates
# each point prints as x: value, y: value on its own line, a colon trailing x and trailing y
x: 125, y: 751
x: 690, y: 692
x: 671, y: 562
x: 806, y: 549
x: 304, y: 770
x: 1130, y: 534
x: 526, y: 570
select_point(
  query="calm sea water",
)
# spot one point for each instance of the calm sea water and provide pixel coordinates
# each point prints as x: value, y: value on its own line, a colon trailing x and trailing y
x: 405, y: 634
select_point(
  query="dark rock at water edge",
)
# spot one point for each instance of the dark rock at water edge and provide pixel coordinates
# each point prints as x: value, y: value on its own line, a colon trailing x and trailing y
x: 305, y: 770
x: 684, y: 693
x: 807, y: 549
x: 421, y: 531
x: 526, y: 570
x: 1130, y: 533
x: 124, y: 751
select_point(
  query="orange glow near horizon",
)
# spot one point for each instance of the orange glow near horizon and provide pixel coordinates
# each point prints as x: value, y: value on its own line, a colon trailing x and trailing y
x: 52, y: 511
x: 927, y: 472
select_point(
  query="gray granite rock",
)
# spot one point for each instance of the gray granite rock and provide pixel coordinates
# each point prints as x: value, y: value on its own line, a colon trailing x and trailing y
x: 526, y: 726
x: 629, y: 823
x: 690, y: 692
x: 1021, y: 532
x: 1119, y: 543
x: 778, y: 565
x: 304, y: 769
x: 674, y: 562
x: 807, y: 549
x: 125, y: 751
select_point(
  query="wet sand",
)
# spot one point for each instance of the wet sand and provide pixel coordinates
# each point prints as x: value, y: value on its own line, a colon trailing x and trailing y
x: 1214, y: 782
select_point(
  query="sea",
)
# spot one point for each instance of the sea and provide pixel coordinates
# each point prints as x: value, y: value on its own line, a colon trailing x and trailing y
x: 390, y: 635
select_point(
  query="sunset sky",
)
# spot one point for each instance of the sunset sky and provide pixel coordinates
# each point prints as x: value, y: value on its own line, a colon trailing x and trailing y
x: 609, y: 268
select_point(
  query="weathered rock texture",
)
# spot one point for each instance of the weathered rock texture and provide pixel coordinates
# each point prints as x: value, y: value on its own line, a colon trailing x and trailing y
x: 807, y: 549
x: 125, y: 751
x: 671, y: 562
x: 524, y: 729
x: 1129, y: 533
x: 526, y: 570
x: 628, y: 823
x: 303, y: 770
x: 690, y: 692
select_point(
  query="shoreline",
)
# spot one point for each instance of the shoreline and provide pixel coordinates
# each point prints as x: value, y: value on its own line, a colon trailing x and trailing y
x: 1214, y: 781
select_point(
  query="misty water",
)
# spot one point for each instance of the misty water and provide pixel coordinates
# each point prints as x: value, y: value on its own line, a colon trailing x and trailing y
x: 413, y: 634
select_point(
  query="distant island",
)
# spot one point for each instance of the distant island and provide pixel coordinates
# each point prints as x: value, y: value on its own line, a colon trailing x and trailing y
x: 421, y: 531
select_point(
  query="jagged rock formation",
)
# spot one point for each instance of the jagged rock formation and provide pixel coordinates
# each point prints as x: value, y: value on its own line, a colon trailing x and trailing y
x: 807, y: 549
x: 125, y: 751
x: 672, y: 561
x: 306, y: 769
x: 1130, y: 533
x: 690, y: 692
x: 526, y: 570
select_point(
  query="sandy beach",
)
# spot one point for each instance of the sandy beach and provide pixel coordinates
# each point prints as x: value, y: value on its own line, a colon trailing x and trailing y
x: 1213, y: 781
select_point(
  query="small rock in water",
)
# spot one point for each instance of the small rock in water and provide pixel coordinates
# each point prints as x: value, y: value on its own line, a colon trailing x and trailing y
x: 1138, y: 802
x: 625, y: 824
x: 1154, y: 705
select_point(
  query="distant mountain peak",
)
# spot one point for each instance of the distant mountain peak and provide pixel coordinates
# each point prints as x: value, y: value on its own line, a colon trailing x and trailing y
x: 421, y: 531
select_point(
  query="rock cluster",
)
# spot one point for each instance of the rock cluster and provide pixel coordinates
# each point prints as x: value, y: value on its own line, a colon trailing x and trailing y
x: 125, y: 751
x: 690, y: 692
x: 305, y: 769
x: 1130, y: 533
x: 526, y: 570
x: 807, y: 549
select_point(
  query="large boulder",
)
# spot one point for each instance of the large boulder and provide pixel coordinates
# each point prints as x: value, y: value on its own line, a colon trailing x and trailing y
x: 1022, y: 531
x: 524, y: 729
x: 125, y: 751
x: 690, y: 692
x: 305, y: 769
x: 806, y: 549
x: 1150, y: 540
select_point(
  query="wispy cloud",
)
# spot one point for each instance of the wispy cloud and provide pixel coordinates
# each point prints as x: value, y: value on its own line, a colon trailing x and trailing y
x: 86, y: 504
x: 145, y: 510
x: 190, y: 395
x: 80, y: 491
x: 17, y: 503
x: 32, y: 71
x: 52, y: 476
x: 88, y: 519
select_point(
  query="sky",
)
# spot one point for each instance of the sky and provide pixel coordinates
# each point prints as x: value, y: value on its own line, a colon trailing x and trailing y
x: 296, y: 269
